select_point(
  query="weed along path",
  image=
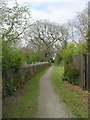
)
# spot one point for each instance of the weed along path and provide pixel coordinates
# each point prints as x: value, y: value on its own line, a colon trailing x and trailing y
x: 50, y: 105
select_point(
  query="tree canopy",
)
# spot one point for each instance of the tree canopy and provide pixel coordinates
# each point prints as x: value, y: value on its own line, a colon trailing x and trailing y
x: 44, y: 40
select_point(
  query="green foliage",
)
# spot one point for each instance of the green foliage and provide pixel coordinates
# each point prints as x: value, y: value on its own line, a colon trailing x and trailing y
x: 6, y: 55
x: 73, y: 49
x: 71, y: 74
x: 68, y: 52
x: 56, y: 61
x: 12, y: 58
x: 17, y: 59
x: 34, y: 57
x: 13, y: 24
x: 81, y: 48
x: 58, y: 58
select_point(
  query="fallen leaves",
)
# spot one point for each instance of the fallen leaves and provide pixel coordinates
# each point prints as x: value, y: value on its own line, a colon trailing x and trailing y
x: 84, y: 98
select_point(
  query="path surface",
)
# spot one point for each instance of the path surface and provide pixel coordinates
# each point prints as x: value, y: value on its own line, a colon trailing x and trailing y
x: 50, y: 105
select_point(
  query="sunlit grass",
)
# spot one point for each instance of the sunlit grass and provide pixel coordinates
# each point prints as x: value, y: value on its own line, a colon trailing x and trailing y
x: 70, y: 97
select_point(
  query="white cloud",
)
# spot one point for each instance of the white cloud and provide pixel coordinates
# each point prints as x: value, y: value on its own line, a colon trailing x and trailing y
x: 38, y: 14
x: 58, y: 14
x: 54, y: 13
x: 23, y: 1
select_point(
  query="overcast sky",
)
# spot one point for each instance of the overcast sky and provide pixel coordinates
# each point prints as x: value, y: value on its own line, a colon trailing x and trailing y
x: 58, y: 11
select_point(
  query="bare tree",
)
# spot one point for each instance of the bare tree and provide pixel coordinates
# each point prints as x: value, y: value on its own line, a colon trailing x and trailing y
x: 79, y: 27
x: 44, y: 32
x: 44, y: 35
x: 15, y: 20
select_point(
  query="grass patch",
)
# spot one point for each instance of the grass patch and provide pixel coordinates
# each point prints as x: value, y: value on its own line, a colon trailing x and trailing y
x: 70, y: 97
x: 24, y: 104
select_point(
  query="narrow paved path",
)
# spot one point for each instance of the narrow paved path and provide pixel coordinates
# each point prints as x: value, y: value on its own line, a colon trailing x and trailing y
x: 49, y: 103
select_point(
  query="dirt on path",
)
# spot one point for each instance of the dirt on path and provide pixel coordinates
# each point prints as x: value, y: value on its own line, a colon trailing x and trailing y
x: 50, y: 106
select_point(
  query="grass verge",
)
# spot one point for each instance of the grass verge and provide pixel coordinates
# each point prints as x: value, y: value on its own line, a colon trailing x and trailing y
x: 73, y: 99
x: 24, y: 103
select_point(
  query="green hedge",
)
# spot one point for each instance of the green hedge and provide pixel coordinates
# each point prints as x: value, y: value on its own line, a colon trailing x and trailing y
x: 71, y: 74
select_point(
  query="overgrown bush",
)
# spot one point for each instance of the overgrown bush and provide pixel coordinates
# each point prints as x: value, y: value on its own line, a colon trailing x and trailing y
x: 68, y: 52
x: 11, y: 58
x: 71, y: 74
x: 58, y: 58
x: 81, y: 48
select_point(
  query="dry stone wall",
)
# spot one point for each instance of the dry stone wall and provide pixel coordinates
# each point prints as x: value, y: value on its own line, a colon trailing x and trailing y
x: 11, y: 79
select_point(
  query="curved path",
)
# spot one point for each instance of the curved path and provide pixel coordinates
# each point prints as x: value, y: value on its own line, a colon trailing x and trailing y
x: 50, y: 106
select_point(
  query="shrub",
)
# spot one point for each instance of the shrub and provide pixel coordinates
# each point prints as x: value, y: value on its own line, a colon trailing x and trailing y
x: 71, y: 74
x: 11, y: 58
x: 81, y: 48
x: 68, y: 52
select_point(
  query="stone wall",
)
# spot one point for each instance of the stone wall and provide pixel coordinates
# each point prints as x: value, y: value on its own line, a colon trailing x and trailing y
x: 11, y: 79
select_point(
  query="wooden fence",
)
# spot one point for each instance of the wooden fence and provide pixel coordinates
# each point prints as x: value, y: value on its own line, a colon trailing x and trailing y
x: 82, y: 63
